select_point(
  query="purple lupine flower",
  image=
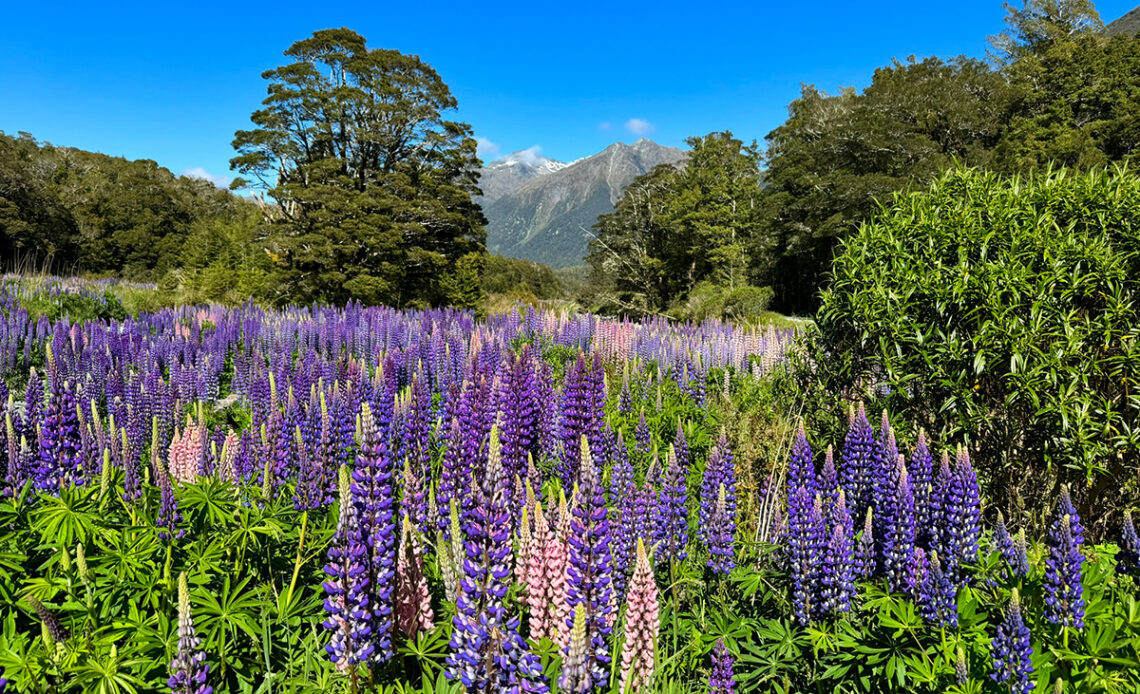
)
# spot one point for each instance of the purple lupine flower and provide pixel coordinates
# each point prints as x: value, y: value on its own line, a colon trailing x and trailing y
x: 309, y: 493
x: 917, y: 574
x: 921, y: 469
x: 828, y: 482
x: 624, y: 504
x: 672, y: 515
x: 899, y: 543
x: 722, y: 680
x: 168, y: 517
x: 1064, y: 566
x: 347, y: 601
x: 487, y: 652
x: 60, y: 441
x: 580, y: 417
x: 643, y: 440
x: 806, y: 544
x: 188, y: 669
x: 939, y: 506
x: 1006, y: 546
x: 855, y: 472
x: 589, y: 574
x: 519, y: 414
x: 719, y: 471
x: 969, y: 526
x: 455, y: 476
x: 1128, y: 559
x: 937, y: 596
x: 865, y: 548
x: 801, y: 469
x: 50, y: 620
x: 373, y: 493
x: 837, y: 579
x: 1012, y: 650
x: 721, y: 536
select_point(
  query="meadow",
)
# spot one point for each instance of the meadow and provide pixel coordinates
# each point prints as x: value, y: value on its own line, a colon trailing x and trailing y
x: 372, y: 500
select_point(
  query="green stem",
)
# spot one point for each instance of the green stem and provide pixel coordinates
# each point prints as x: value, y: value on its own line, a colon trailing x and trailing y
x: 298, y: 562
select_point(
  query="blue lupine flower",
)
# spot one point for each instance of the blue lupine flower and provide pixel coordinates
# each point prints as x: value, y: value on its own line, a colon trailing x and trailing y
x: 1064, y: 566
x: 1012, y: 650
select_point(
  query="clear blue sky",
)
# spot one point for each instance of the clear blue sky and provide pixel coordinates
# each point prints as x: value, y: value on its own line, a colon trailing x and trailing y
x: 173, y: 81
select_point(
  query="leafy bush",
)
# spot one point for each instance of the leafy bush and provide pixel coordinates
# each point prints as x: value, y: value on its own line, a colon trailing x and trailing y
x: 708, y: 300
x: 1002, y: 313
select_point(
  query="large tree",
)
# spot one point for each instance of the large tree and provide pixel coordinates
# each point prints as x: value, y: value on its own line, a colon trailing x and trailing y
x: 678, y: 226
x: 371, y: 183
x: 837, y: 157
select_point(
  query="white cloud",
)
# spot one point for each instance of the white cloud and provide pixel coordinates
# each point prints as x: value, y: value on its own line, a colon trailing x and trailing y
x: 220, y: 181
x: 604, y: 125
x: 486, y: 149
x: 529, y: 155
x: 638, y: 126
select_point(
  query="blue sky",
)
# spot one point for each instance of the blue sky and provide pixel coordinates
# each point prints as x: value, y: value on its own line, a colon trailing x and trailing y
x: 172, y: 81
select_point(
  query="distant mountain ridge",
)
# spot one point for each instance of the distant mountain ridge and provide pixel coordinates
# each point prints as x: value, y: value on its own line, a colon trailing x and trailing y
x: 543, y: 210
x: 1127, y: 24
x: 506, y: 175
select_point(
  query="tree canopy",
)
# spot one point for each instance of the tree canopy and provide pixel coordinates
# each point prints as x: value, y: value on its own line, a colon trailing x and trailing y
x: 371, y: 183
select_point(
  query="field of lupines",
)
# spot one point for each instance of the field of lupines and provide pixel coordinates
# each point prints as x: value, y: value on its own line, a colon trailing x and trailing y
x: 363, y: 499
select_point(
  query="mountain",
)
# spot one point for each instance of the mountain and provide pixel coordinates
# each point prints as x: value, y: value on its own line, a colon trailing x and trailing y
x: 548, y: 217
x: 1128, y: 24
x: 513, y: 171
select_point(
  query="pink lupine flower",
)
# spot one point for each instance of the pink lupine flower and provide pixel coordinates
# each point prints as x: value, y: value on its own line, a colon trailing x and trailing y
x: 413, y: 602
x: 641, y: 626
x: 182, y: 457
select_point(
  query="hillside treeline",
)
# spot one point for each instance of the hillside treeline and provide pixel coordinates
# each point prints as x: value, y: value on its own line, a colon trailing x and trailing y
x: 1056, y: 92
x: 66, y: 209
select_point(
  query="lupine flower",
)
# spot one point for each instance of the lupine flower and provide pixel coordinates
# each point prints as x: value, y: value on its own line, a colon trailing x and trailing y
x: 961, y: 669
x: 806, y: 543
x: 413, y: 602
x: 590, y: 570
x: 53, y: 628
x: 487, y: 653
x: 837, y: 577
x: 721, y: 536
x: 921, y: 469
x: 672, y: 519
x: 865, y: 549
x: 546, y: 561
x: 917, y: 574
x: 939, y: 507
x: 641, y: 626
x: 828, y: 482
x: 575, y: 665
x: 962, y: 516
x: 1064, y: 566
x: 188, y: 670
x: 346, y: 591
x: 168, y: 517
x: 801, y: 469
x: 722, y: 680
x: 899, y: 543
x: 373, y: 494
x: 1012, y: 651
x: 719, y: 471
x: 1129, y: 556
x: 1003, y: 543
x: 855, y: 472
x: 61, y: 455
x: 1020, y: 561
x: 937, y: 596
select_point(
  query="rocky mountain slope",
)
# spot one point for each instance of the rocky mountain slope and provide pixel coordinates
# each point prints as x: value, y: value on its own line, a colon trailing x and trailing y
x: 549, y: 216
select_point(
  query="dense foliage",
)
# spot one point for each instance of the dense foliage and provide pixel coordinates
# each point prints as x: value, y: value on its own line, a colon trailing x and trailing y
x: 678, y: 226
x: 1003, y: 313
x: 536, y: 502
x: 372, y: 184
x: 63, y: 208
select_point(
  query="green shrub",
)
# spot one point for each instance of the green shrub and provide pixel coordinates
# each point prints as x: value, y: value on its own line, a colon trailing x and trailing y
x: 708, y: 300
x: 1002, y: 313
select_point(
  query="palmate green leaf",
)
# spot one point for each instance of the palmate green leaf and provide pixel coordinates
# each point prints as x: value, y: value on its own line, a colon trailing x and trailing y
x: 64, y: 520
x: 231, y: 611
x: 108, y: 674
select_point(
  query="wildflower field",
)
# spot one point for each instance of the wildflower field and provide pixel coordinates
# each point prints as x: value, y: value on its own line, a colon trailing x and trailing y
x: 363, y: 499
